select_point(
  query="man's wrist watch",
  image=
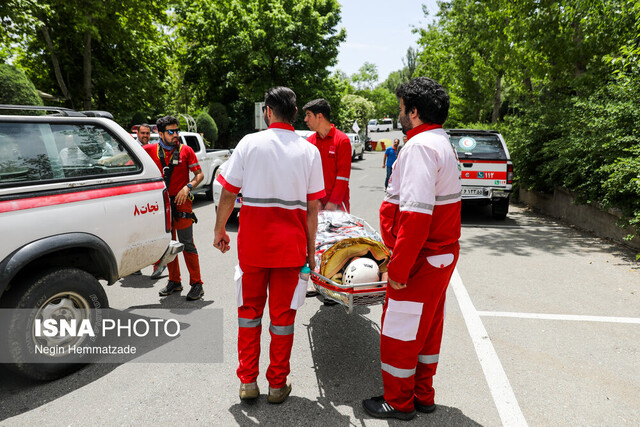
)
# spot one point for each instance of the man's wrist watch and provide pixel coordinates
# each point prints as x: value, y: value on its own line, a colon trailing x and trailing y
x: 190, y: 186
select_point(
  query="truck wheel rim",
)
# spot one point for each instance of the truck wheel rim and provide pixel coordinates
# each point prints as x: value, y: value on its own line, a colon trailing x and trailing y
x: 63, y: 305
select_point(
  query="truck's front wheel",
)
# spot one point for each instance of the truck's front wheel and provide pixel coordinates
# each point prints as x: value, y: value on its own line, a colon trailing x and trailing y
x: 66, y: 293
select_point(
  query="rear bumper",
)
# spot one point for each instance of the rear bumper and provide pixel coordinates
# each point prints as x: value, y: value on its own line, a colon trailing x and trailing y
x: 485, y: 193
x: 172, y: 251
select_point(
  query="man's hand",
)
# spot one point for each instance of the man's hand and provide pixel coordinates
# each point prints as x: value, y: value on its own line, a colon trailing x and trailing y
x: 313, y: 207
x: 330, y: 206
x: 182, y: 196
x: 311, y: 260
x: 225, y: 207
x: 221, y: 240
x: 395, y: 285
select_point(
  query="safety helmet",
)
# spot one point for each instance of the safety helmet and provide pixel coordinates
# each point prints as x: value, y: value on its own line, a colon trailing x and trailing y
x: 361, y: 270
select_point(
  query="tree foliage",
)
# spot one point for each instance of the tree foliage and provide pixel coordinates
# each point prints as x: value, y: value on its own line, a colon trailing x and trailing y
x: 558, y: 78
x: 232, y: 51
x: 366, y: 77
x: 105, y: 55
x: 354, y: 108
x: 207, y: 126
x: 16, y: 88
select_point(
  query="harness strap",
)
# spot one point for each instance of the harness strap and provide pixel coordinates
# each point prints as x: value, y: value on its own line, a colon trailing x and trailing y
x: 167, y: 169
x: 177, y: 215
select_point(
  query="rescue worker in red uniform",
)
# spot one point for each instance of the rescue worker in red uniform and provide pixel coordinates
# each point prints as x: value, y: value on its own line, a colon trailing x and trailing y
x: 280, y: 175
x: 175, y: 160
x: 420, y: 222
x: 335, y: 149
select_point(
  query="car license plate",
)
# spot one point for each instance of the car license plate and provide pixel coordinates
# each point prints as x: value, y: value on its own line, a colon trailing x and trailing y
x: 471, y: 191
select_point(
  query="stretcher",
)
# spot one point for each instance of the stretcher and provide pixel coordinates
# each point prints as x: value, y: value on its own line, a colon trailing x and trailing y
x: 342, y: 237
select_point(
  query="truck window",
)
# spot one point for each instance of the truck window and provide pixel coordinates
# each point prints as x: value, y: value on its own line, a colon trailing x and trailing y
x: 486, y: 147
x: 35, y: 152
x: 192, y: 142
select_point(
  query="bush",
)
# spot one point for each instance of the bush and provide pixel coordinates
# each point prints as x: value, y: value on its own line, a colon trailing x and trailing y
x: 354, y: 108
x: 207, y: 126
x: 16, y: 88
x: 588, y: 145
x: 218, y: 113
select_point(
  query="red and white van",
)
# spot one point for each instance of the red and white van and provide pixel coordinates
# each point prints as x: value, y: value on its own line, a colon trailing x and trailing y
x: 486, y: 168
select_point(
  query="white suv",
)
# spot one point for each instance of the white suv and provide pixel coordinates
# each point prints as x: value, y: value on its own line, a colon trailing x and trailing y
x: 486, y: 168
x: 357, y: 146
x: 80, y: 201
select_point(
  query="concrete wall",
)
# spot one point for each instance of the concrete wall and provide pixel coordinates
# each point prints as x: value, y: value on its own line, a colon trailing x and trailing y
x: 562, y: 205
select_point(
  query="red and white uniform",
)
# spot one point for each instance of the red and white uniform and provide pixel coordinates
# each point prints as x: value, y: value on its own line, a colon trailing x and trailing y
x: 335, y: 149
x: 278, y: 172
x: 182, y: 228
x: 420, y: 222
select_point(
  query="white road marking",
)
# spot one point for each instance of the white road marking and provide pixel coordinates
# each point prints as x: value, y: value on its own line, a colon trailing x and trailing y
x: 503, y: 396
x: 580, y: 318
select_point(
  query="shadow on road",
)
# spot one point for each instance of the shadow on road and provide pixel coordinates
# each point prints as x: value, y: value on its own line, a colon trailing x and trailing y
x: 19, y: 395
x: 525, y: 233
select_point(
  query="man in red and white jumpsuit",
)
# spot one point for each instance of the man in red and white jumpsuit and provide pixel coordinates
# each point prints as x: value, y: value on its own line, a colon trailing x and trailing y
x: 335, y: 149
x: 420, y: 222
x: 280, y: 175
x: 178, y: 159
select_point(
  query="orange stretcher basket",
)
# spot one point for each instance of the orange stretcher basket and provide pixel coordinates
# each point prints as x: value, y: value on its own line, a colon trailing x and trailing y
x: 351, y: 295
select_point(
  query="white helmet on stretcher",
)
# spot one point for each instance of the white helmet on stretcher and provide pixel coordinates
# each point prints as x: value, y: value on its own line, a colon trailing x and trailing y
x: 361, y: 270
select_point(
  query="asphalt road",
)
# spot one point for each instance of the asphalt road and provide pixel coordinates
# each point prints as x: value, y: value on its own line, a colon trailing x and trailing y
x: 542, y: 328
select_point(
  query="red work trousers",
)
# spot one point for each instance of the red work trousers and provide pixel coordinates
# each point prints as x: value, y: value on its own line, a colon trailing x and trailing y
x: 185, y: 236
x: 412, y: 322
x: 281, y: 284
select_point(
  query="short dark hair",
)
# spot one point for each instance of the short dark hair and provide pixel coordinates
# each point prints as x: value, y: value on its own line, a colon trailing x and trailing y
x: 163, y: 122
x: 319, y: 105
x: 282, y: 101
x: 144, y: 125
x: 428, y: 97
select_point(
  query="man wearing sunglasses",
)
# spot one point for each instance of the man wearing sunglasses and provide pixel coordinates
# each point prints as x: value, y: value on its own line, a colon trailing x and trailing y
x: 175, y: 160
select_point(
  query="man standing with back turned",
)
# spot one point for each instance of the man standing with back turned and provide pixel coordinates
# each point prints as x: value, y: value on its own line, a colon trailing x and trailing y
x: 280, y: 175
x: 335, y: 149
x: 420, y: 221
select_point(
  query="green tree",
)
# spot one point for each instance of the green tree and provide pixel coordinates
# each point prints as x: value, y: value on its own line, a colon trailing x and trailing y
x: 354, y: 108
x: 105, y: 55
x: 16, y: 88
x: 207, y: 126
x: 385, y: 102
x: 233, y: 51
x: 366, y: 77
x: 220, y: 116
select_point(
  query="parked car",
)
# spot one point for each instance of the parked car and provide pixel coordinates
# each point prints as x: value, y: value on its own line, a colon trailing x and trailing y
x: 217, y: 191
x: 80, y: 202
x: 357, y: 146
x: 382, y: 125
x: 487, y: 170
x: 217, y: 187
x: 209, y: 159
x: 305, y: 133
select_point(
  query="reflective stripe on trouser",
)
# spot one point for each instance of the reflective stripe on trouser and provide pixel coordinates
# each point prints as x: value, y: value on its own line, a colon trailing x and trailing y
x: 281, y: 283
x: 185, y: 236
x: 404, y: 372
